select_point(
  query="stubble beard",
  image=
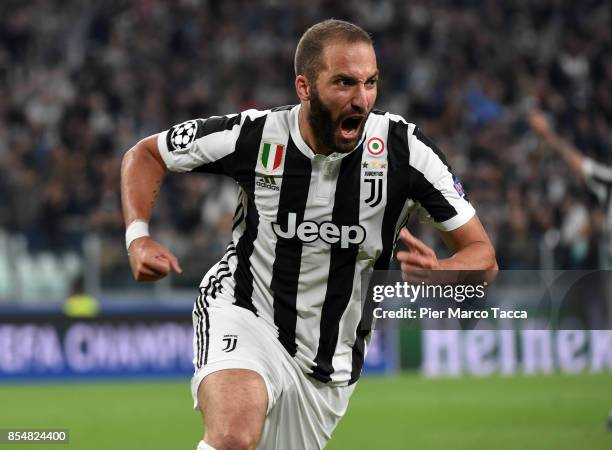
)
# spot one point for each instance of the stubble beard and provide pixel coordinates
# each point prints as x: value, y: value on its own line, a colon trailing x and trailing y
x: 324, y: 127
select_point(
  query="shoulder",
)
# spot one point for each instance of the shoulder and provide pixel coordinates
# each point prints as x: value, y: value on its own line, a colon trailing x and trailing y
x: 406, y: 140
x: 279, y: 113
x: 399, y: 131
x: 394, y: 122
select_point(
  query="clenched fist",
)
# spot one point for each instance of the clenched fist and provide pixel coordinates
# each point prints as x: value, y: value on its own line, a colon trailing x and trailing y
x: 151, y: 261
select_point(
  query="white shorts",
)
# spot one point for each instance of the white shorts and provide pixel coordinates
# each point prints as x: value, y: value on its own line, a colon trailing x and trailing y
x: 302, y: 412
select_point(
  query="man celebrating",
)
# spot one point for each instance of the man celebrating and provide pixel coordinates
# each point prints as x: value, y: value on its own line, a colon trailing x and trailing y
x: 326, y: 188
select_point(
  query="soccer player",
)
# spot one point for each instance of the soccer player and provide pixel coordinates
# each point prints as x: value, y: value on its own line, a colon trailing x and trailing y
x: 326, y: 187
x: 596, y: 176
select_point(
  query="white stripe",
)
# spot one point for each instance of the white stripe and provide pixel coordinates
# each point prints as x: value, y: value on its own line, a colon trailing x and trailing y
x: 267, y: 201
x: 371, y: 219
x: 314, y: 265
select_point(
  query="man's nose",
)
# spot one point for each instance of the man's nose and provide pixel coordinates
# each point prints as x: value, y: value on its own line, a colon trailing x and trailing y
x: 360, y: 97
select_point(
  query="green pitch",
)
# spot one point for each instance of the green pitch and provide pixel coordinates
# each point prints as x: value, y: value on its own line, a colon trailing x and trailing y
x: 407, y: 412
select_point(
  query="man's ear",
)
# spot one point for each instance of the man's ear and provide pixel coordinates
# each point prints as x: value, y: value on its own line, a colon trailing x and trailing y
x: 303, y: 88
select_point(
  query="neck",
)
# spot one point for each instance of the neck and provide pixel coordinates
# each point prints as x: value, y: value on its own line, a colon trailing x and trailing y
x: 309, y: 136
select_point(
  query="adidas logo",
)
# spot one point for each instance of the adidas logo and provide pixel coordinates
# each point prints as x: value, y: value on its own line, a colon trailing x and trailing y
x: 267, y: 182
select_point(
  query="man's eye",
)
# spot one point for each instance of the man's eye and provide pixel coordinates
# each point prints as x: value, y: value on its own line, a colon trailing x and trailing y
x: 372, y: 82
x: 344, y: 82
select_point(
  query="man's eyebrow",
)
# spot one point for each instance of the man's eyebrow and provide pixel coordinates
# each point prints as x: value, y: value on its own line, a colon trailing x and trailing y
x: 352, y: 77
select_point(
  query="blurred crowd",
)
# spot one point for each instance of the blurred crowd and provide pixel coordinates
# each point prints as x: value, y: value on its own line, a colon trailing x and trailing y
x: 81, y: 82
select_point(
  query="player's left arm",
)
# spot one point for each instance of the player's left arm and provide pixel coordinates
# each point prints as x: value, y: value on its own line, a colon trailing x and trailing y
x: 469, y: 244
x: 443, y: 204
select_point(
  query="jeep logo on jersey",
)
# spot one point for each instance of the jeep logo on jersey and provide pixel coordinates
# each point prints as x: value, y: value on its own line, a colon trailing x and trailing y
x: 271, y: 156
x: 182, y: 135
x: 309, y: 231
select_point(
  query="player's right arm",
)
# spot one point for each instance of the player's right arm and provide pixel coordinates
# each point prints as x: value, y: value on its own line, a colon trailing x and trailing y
x: 202, y: 145
x: 142, y: 172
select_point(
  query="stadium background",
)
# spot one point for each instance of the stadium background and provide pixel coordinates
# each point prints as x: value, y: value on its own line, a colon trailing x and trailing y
x: 80, y: 83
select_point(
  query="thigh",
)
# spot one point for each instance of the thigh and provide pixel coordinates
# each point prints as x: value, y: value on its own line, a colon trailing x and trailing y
x: 305, y: 414
x: 233, y: 404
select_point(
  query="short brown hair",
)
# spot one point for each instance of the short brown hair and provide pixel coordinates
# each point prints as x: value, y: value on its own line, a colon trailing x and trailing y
x: 310, y: 48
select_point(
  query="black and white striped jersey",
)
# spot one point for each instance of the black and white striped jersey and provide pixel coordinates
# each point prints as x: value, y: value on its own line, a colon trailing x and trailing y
x: 307, y: 226
x: 598, y: 178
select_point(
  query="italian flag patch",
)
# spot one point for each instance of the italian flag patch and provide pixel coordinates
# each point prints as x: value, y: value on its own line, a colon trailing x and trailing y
x: 271, y: 155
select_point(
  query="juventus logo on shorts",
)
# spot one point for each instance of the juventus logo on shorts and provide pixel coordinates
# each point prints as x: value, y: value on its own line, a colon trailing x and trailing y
x: 376, y: 187
x: 230, y: 342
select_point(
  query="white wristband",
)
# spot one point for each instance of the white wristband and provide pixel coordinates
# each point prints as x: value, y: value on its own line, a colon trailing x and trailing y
x: 135, y: 230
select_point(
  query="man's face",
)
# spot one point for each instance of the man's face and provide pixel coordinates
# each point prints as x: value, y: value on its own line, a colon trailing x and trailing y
x: 343, y: 95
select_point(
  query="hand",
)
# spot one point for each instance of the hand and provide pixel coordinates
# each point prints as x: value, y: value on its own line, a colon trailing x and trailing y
x: 539, y: 123
x: 418, y: 257
x: 151, y: 261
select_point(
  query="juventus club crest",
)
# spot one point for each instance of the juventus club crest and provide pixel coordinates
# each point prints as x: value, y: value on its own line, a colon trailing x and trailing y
x: 230, y: 342
x: 376, y: 188
x: 271, y: 156
x: 374, y: 168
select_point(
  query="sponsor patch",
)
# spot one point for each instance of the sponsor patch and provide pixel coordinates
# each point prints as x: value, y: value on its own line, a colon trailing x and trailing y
x: 182, y: 136
x: 458, y: 187
x: 376, y: 146
x: 271, y: 156
x: 230, y: 341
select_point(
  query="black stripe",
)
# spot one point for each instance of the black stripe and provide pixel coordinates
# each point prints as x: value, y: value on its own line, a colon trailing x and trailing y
x: 376, y: 193
x: 429, y: 143
x: 203, y: 328
x: 371, y: 181
x: 429, y: 197
x: 283, y: 108
x: 216, y: 124
x: 288, y: 252
x: 379, y: 190
x: 201, y: 311
x: 222, y: 166
x: 200, y: 327
x: 239, y: 221
x: 247, y: 149
x: 209, y: 286
x: 341, y: 265
x: 222, y: 271
x: 198, y: 334
x: 207, y: 337
x: 216, y: 286
x: 398, y: 161
x: 239, y: 210
x: 599, y: 179
x: 225, y: 275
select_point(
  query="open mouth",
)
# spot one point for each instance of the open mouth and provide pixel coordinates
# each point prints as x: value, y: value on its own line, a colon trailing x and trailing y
x: 350, y: 126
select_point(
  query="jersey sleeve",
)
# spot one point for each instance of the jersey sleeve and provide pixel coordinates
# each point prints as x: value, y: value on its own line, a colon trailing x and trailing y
x: 434, y: 186
x: 203, y: 145
x: 598, y: 177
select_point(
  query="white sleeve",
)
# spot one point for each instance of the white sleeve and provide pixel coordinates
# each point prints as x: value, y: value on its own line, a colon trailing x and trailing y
x: 203, y: 144
x: 598, y: 177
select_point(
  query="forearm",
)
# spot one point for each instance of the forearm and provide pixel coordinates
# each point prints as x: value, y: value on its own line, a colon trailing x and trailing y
x: 142, y: 173
x: 474, y: 256
x: 570, y: 154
